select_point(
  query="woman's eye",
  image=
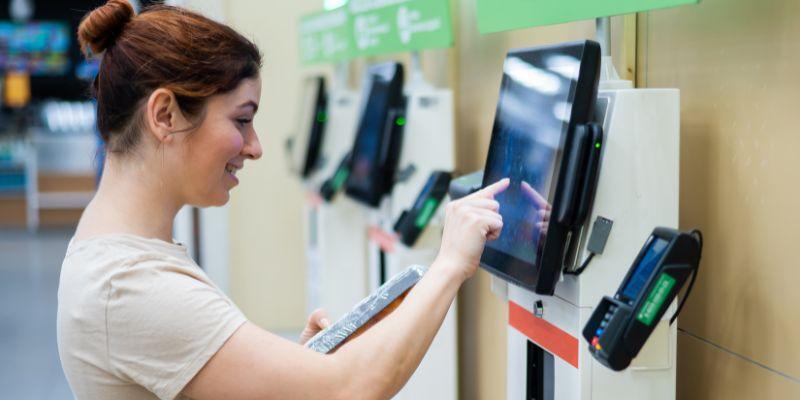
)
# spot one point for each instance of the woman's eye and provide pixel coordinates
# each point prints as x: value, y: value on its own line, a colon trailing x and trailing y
x: 243, y: 121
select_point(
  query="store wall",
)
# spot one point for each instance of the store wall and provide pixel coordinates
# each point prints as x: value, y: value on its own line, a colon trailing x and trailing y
x: 736, y: 63
x: 267, y: 270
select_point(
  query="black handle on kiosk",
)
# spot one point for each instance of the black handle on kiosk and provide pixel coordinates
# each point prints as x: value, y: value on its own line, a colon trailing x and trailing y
x: 589, y: 185
x: 583, y: 162
x: 413, y: 221
x: 389, y: 155
x: 620, y: 326
x: 332, y: 185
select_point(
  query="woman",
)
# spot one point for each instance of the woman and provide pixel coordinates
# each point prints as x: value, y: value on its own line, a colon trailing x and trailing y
x: 137, y: 318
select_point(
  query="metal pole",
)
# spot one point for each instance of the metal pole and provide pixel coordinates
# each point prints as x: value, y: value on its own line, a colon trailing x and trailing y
x: 604, y: 35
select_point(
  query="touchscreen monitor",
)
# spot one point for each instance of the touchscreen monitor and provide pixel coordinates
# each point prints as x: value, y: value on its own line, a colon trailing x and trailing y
x: 544, y: 92
x: 374, y: 157
x: 309, y: 138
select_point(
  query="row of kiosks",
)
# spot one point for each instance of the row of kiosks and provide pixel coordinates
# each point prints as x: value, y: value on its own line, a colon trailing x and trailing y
x: 377, y: 166
x: 318, y: 152
x: 586, y: 260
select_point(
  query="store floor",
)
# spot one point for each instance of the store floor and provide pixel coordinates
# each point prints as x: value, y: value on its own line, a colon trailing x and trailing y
x: 29, y: 269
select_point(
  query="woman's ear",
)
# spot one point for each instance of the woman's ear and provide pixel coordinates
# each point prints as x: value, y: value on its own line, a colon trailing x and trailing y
x: 163, y: 116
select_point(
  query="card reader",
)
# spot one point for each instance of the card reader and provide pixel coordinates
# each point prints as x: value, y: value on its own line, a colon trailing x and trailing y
x: 620, y: 326
x: 332, y: 185
x: 413, y: 221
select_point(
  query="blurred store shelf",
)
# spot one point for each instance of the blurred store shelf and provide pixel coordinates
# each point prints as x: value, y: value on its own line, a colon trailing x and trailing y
x: 47, y: 172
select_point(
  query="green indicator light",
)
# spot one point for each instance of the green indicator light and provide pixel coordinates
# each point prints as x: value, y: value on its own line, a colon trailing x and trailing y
x: 427, y: 212
x: 597, y: 145
x: 400, y: 121
x: 322, y: 117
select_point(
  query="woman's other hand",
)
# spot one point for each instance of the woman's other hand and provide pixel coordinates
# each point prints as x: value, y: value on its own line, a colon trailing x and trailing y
x: 469, y: 223
x: 317, y: 321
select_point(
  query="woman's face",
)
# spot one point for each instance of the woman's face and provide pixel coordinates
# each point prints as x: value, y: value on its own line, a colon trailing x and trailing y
x: 216, y: 150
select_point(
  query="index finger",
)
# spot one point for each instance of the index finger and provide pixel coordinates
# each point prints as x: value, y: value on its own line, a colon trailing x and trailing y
x: 494, y: 189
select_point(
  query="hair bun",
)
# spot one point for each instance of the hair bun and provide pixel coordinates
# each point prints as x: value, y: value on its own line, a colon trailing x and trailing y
x: 100, y: 28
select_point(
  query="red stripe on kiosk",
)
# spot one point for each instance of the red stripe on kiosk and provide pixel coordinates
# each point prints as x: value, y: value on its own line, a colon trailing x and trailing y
x: 385, y: 240
x: 548, y: 336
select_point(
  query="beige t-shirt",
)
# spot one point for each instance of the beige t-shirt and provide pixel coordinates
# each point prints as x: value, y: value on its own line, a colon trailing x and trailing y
x: 137, y: 318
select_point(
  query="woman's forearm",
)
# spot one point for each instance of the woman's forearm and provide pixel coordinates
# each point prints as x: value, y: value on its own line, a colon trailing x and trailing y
x: 383, y: 358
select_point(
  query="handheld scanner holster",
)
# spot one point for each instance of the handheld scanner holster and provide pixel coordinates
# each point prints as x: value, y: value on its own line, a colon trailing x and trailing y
x: 413, y: 221
x: 389, y: 156
x: 332, y: 185
x: 580, y: 180
x: 620, y: 326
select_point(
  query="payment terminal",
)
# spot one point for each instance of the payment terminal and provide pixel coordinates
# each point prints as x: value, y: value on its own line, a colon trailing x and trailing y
x: 413, y: 221
x: 621, y: 325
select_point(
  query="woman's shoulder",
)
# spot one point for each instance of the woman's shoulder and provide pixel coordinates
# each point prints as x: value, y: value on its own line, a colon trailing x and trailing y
x: 124, y: 244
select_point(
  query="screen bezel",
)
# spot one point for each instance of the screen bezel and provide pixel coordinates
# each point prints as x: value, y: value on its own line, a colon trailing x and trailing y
x: 542, y: 278
x: 391, y: 75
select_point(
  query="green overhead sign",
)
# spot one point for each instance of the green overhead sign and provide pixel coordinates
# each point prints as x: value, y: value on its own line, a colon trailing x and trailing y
x: 371, y: 27
x: 386, y: 26
x: 502, y: 15
x: 326, y: 37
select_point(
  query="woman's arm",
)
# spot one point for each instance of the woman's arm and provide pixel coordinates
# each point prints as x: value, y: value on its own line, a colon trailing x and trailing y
x: 255, y: 364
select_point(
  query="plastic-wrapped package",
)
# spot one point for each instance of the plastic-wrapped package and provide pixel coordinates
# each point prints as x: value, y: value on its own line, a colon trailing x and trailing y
x: 329, y: 339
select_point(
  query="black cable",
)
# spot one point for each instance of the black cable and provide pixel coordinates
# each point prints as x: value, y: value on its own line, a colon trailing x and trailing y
x: 582, y: 267
x: 699, y: 236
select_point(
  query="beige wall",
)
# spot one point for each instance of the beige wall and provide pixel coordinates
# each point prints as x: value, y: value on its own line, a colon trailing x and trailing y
x: 267, y: 258
x: 736, y: 63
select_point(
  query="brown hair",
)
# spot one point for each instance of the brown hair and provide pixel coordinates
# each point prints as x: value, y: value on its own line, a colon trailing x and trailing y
x: 162, y: 47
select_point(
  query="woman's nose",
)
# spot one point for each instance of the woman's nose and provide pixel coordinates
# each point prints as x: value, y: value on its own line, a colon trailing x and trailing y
x: 252, y: 147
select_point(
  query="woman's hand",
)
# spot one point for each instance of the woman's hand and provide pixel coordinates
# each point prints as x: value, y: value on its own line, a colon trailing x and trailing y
x: 469, y: 223
x: 317, y: 321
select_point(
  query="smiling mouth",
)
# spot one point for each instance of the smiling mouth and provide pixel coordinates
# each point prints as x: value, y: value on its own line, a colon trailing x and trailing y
x: 231, y: 169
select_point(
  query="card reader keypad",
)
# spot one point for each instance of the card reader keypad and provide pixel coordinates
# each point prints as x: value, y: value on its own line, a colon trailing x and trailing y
x: 602, y: 328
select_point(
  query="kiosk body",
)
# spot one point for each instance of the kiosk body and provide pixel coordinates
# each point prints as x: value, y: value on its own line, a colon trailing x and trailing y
x: 336, y: 233
x: 428, y: 146
x: 637, y: 189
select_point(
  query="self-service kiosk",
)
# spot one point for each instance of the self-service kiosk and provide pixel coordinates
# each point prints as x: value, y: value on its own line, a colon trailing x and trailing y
x: 593, y: 173
x: 318, y: 153
x: 400, y: 174
x: 413, y: 219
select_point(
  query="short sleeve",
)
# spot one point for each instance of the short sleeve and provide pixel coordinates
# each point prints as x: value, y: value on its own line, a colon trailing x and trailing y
x: 164, y: 322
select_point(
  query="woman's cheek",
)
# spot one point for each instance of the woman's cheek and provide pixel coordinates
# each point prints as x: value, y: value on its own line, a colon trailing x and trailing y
x: 236, y: 143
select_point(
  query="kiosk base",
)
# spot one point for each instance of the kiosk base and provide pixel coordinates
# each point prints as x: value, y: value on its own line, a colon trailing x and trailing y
x: 427, y: 146
x: 336, y: 238
x: 637, y: 189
